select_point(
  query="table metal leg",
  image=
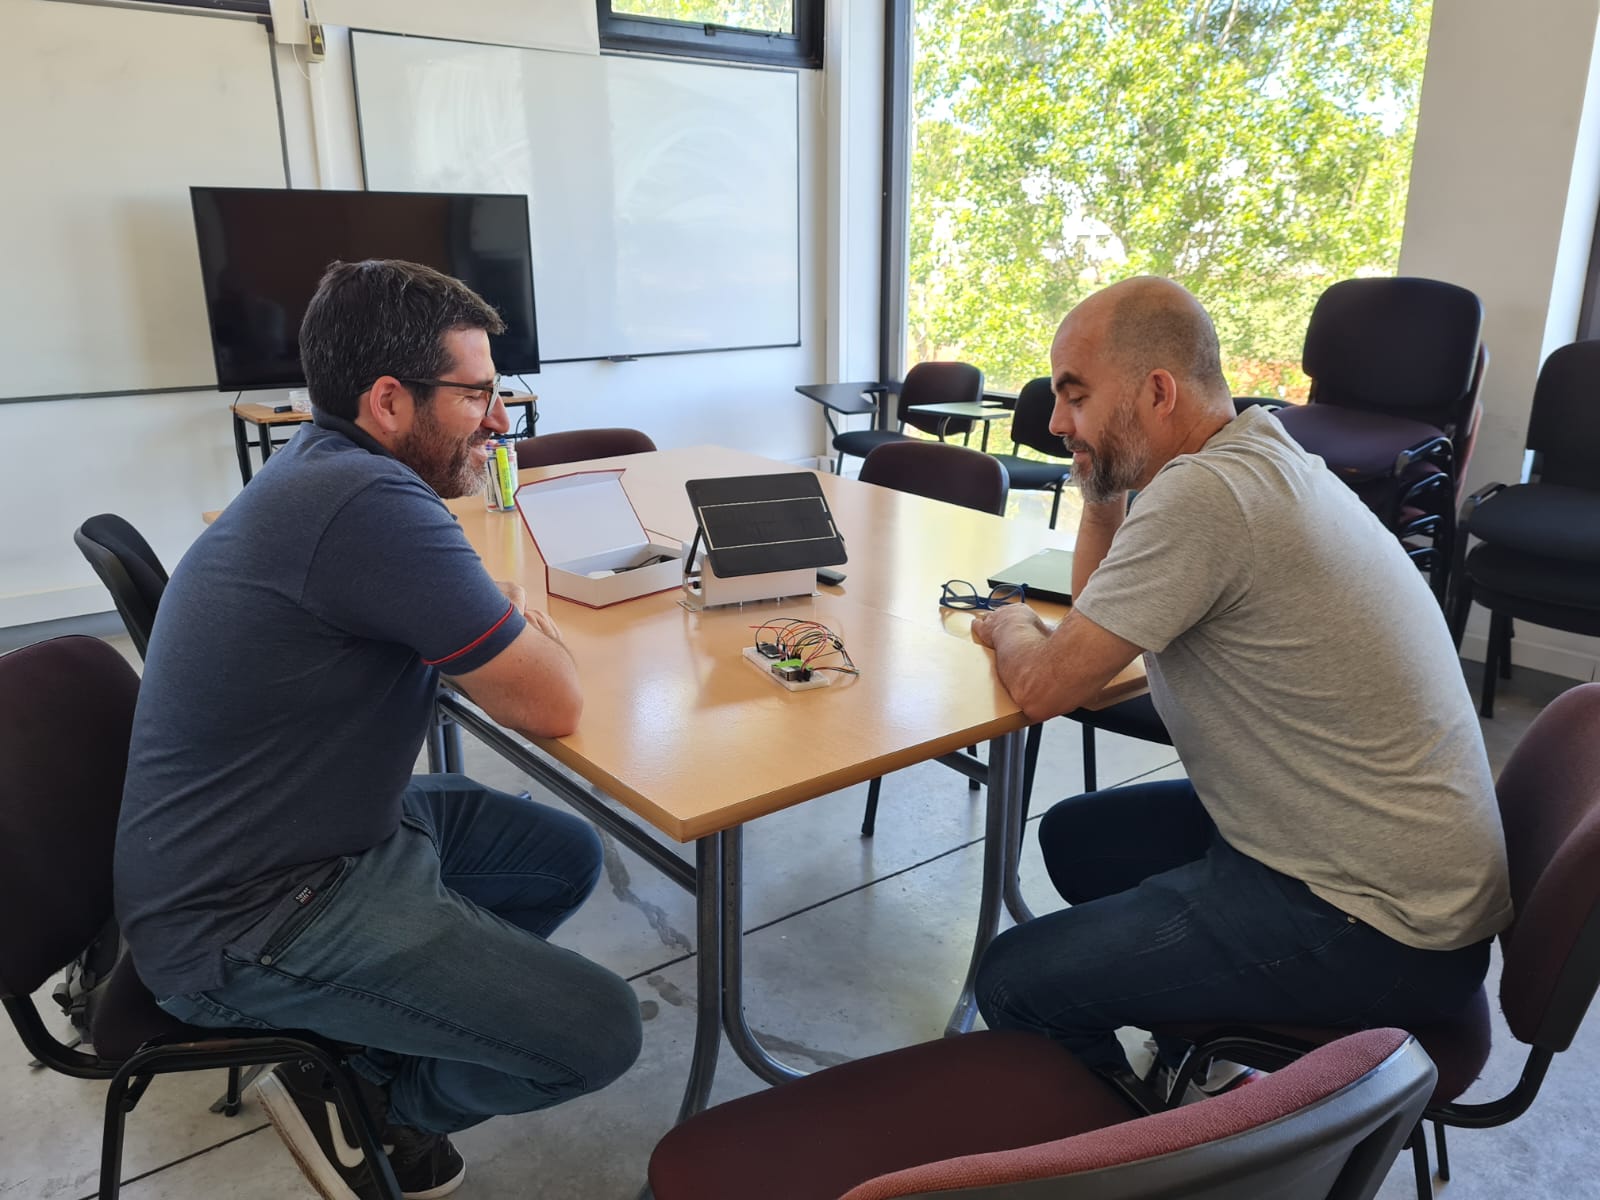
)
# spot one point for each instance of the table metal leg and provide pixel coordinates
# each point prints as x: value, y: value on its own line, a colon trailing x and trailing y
x: 708, y: 976
x: 264, y: 440
x: 1005, y: 779
x: 984, y: 444
x: 241, y: 447
x: 1016, y: 905
x: 750, y: 1051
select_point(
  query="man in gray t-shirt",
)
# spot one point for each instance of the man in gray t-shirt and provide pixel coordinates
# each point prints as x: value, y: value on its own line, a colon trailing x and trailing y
x: 1335, y: 856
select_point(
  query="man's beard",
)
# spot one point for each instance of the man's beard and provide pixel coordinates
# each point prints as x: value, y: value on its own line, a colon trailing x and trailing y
x: 445, y: 463
x: 1118, y: 463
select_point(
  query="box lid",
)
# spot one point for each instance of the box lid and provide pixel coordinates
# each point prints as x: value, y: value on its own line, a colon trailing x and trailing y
x: 579, y: 515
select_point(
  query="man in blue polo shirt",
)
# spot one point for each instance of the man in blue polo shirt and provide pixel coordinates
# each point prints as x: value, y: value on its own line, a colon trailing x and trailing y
x: 277, y: 865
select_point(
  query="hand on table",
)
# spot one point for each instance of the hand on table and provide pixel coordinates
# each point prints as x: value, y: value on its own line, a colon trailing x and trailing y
x: 987, y: 626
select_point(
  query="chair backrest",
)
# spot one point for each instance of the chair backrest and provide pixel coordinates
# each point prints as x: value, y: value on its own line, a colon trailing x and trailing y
x: 1030, y: 420
x: 1564, y: 427
x: 939, y: 383
x: 130, y: 570
x: 940, y: 471
x: 66, y: 714
x: 1550, y: 806
x: 579, y: 445
x: 1324, y: 1128
x: 1403, y: 346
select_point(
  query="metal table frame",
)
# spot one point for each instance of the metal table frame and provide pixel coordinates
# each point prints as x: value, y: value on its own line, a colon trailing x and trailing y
x: 716, y: 879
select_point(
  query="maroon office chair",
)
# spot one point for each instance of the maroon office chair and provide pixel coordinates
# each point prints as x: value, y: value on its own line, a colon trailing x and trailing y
x: 936, y: 471
x: 66, y: 714
x: 580, y: 445
x: 1009, y: 1116
x: 1549, y: 798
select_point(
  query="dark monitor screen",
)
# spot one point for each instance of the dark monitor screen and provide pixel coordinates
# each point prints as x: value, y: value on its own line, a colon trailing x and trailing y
x: 262, y: 251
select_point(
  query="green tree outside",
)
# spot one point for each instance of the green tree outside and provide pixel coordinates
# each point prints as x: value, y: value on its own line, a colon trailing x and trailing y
x: 739, y: 14
x: 1254, y: 150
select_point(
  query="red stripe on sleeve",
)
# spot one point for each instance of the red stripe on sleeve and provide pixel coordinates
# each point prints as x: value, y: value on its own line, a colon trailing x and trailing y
x: 474, y: 643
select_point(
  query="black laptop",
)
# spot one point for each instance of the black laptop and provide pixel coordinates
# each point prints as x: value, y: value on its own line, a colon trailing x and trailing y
x: 1047, y: 574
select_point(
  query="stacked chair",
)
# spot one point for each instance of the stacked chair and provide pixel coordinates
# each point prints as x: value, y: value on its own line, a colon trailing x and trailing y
x: 1030, y: 427
x: 1396, y: 366
x: 1538, y: 557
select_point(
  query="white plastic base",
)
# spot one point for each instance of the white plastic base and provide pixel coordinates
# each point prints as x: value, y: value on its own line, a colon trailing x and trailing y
x: 758, y: 660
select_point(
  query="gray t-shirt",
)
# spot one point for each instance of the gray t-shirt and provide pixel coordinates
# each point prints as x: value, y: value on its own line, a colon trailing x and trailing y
x: 288, y: 687
x: 1309, y: 683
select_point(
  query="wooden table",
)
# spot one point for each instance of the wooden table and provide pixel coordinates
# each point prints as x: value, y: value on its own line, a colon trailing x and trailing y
x: 265, y: 418
x: 680, y: 731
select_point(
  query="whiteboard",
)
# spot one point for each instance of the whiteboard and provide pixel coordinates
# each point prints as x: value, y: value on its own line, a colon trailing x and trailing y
x: 110, y: 115
x: 663, y: 196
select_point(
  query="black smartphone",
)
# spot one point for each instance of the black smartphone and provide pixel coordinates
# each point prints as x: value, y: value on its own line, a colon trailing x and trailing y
x: 829, y: 576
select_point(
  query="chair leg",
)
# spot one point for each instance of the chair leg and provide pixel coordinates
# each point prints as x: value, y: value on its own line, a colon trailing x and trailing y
x: 869, y: 819
x: 111, y: 1138
x: 1055, y: 506
x: 1505, y: 648
x: 1491, y: 666
x: 1030, y: 767
x: 1419, y: 1162
x: 838, y: 464
x: 1460, y: 606
x: 1089, y: 784
x: 230, y: 1106
x: 972, y: 784
x: 1442, y: 1150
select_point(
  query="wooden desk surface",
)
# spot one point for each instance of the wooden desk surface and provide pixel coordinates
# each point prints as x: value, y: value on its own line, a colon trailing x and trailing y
x: 262, y: 414
x: 680, y: 729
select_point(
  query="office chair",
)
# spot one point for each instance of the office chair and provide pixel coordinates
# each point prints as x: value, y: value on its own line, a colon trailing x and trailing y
x: 1538, y: 557
x: 1030, y: 427
x: 1010, y: 1116
x: 66, y: 713
x: 580, y: 445
x: 130, y: 570
x: 925, y: 383
x: 1549, y: 794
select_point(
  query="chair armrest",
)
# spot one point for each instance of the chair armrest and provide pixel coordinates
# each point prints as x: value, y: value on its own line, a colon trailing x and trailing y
x: 1471, y: 503
x: 1437, y: 450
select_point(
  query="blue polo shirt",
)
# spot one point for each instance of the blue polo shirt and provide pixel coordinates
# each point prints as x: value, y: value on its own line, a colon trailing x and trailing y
x: 287, y: 692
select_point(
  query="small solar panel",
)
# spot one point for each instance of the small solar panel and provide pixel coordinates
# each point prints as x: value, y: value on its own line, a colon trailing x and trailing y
x: 753, y: 524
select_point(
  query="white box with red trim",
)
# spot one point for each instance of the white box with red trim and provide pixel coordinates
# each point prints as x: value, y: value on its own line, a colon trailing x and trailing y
x: 592, y: 541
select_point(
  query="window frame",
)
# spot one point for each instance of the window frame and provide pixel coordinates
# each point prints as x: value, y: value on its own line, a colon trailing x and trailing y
x: 725, y: 43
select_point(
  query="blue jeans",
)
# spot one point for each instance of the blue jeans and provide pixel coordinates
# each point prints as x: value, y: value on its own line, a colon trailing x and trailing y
x: 430, y: 950
x: 1169, y: 923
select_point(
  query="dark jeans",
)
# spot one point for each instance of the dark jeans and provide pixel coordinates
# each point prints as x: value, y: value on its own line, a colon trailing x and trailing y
x: 1169, y: 923
x: 430, y: 950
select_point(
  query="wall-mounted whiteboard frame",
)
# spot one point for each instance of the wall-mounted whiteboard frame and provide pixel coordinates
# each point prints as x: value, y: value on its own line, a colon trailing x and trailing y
x: 664, y: 195
x: 102, y: 276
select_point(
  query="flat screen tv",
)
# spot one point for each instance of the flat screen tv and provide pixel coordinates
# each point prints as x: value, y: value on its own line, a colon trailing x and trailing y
x: 262, y: 251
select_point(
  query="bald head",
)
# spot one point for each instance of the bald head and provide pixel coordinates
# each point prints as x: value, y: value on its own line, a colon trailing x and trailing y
x: 1147, y: 323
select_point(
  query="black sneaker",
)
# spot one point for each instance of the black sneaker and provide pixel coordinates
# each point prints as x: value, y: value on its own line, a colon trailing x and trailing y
x: 304, y: 1108
x: 425, y: 1165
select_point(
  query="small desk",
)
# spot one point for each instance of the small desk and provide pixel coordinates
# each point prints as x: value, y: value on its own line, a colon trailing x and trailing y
x: 847, y: 399
x: 265, y: 421
x: 968, y: 412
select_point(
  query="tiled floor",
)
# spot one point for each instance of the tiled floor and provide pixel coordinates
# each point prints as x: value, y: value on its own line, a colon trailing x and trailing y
x: 855, y: 946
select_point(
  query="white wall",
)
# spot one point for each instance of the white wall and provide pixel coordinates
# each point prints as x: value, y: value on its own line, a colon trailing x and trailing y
x: 1504, y: 185
x: 161, y: 460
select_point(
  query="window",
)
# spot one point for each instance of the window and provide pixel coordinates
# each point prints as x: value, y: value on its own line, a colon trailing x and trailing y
x: 764, y: 31
x: 1254, y: 150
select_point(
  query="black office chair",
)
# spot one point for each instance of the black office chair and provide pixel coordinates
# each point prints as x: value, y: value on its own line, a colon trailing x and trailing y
x: 1030, y: 427
x: 580, y: 445
x: 66, y: 713
x: 1538, y: 557
x: 130, y: 570
x: 1396, y: 366
x: 925, y: 383
x: 937, y: 471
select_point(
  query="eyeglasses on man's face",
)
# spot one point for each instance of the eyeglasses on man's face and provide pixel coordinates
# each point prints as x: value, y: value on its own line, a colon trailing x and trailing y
x: 482, y: 394
x: 958, y: 593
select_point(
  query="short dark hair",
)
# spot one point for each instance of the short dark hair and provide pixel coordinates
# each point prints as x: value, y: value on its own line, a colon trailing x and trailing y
x: 383, y: 317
